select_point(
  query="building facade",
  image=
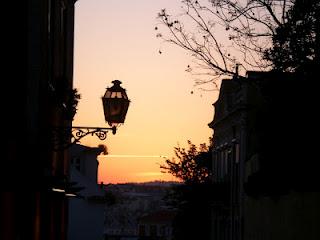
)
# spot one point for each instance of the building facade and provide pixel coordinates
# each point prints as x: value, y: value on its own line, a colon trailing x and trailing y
x: 30, y: 152
x: 131, y: 203
x: 229, y: 147
x: 157, y: 225
x: 86, y: 210
x: 271, y: 182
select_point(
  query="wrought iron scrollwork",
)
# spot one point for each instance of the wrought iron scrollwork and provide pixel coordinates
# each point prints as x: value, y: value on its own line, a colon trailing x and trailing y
x: 80, y: 132
x: 64, y: 137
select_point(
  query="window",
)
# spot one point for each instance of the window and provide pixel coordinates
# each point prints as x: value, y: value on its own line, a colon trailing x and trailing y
x: 237, y: 153
x: 221, y: 169
x: 234, y: 132
x: 215, y: 167
x: 226, y: 156
x: 62, y: 18
x: 142, y: 230
x: 153, y: 230
x: 76, y: 162
x: 162, y: 231
x: 49, y: 17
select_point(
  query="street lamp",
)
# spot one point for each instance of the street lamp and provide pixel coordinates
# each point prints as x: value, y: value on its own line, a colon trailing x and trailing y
x: 115, y: 105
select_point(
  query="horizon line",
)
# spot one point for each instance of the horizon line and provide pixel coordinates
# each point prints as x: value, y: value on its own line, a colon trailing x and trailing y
x: 133, y: 156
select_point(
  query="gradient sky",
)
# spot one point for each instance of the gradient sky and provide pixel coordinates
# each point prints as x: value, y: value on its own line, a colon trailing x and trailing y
x: 115, y: 39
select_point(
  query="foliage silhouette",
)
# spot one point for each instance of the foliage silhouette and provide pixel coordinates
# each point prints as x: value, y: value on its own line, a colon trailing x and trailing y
x: 192, y: 198
x: 220, y: 35
x: 71, y: 103
x: 193, y: 165
x: 296, y: 42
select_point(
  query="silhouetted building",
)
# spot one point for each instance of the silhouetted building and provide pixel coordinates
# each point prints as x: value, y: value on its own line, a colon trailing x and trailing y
x: 87, y: 211
x: 229, y: 141
x: 156, y: 225
x: 260, y: 148
x: 132, y: 201
x: 282, y: 195
x: 39, y: 213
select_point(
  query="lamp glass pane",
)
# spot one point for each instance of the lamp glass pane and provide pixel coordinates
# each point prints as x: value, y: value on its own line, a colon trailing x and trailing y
x: 108, y: 94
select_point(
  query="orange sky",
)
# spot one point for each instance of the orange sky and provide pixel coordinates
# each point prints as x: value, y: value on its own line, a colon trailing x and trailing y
x: 115, y: 39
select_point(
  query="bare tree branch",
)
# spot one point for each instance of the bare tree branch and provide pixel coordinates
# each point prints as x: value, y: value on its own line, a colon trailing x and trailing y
x: 204, y: 27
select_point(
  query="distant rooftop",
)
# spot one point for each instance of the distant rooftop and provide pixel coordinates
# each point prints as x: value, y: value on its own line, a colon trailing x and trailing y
x: 163, y: 216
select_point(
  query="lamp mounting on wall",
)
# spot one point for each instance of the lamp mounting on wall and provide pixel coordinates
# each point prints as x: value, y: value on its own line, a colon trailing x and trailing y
x: 115, y: 106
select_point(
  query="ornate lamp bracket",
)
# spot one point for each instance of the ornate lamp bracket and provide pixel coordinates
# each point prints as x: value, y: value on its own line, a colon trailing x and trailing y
x: 65, y: 137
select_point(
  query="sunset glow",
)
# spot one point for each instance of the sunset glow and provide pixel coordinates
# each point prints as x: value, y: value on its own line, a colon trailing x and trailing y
x: 115, y: 39
x: 136, y: 156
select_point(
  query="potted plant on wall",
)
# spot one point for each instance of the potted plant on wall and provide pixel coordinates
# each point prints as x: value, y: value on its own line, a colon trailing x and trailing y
x: 71, y: 103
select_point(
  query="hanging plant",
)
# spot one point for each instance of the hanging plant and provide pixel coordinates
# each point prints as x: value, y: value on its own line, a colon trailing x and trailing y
x: 71, y: 103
